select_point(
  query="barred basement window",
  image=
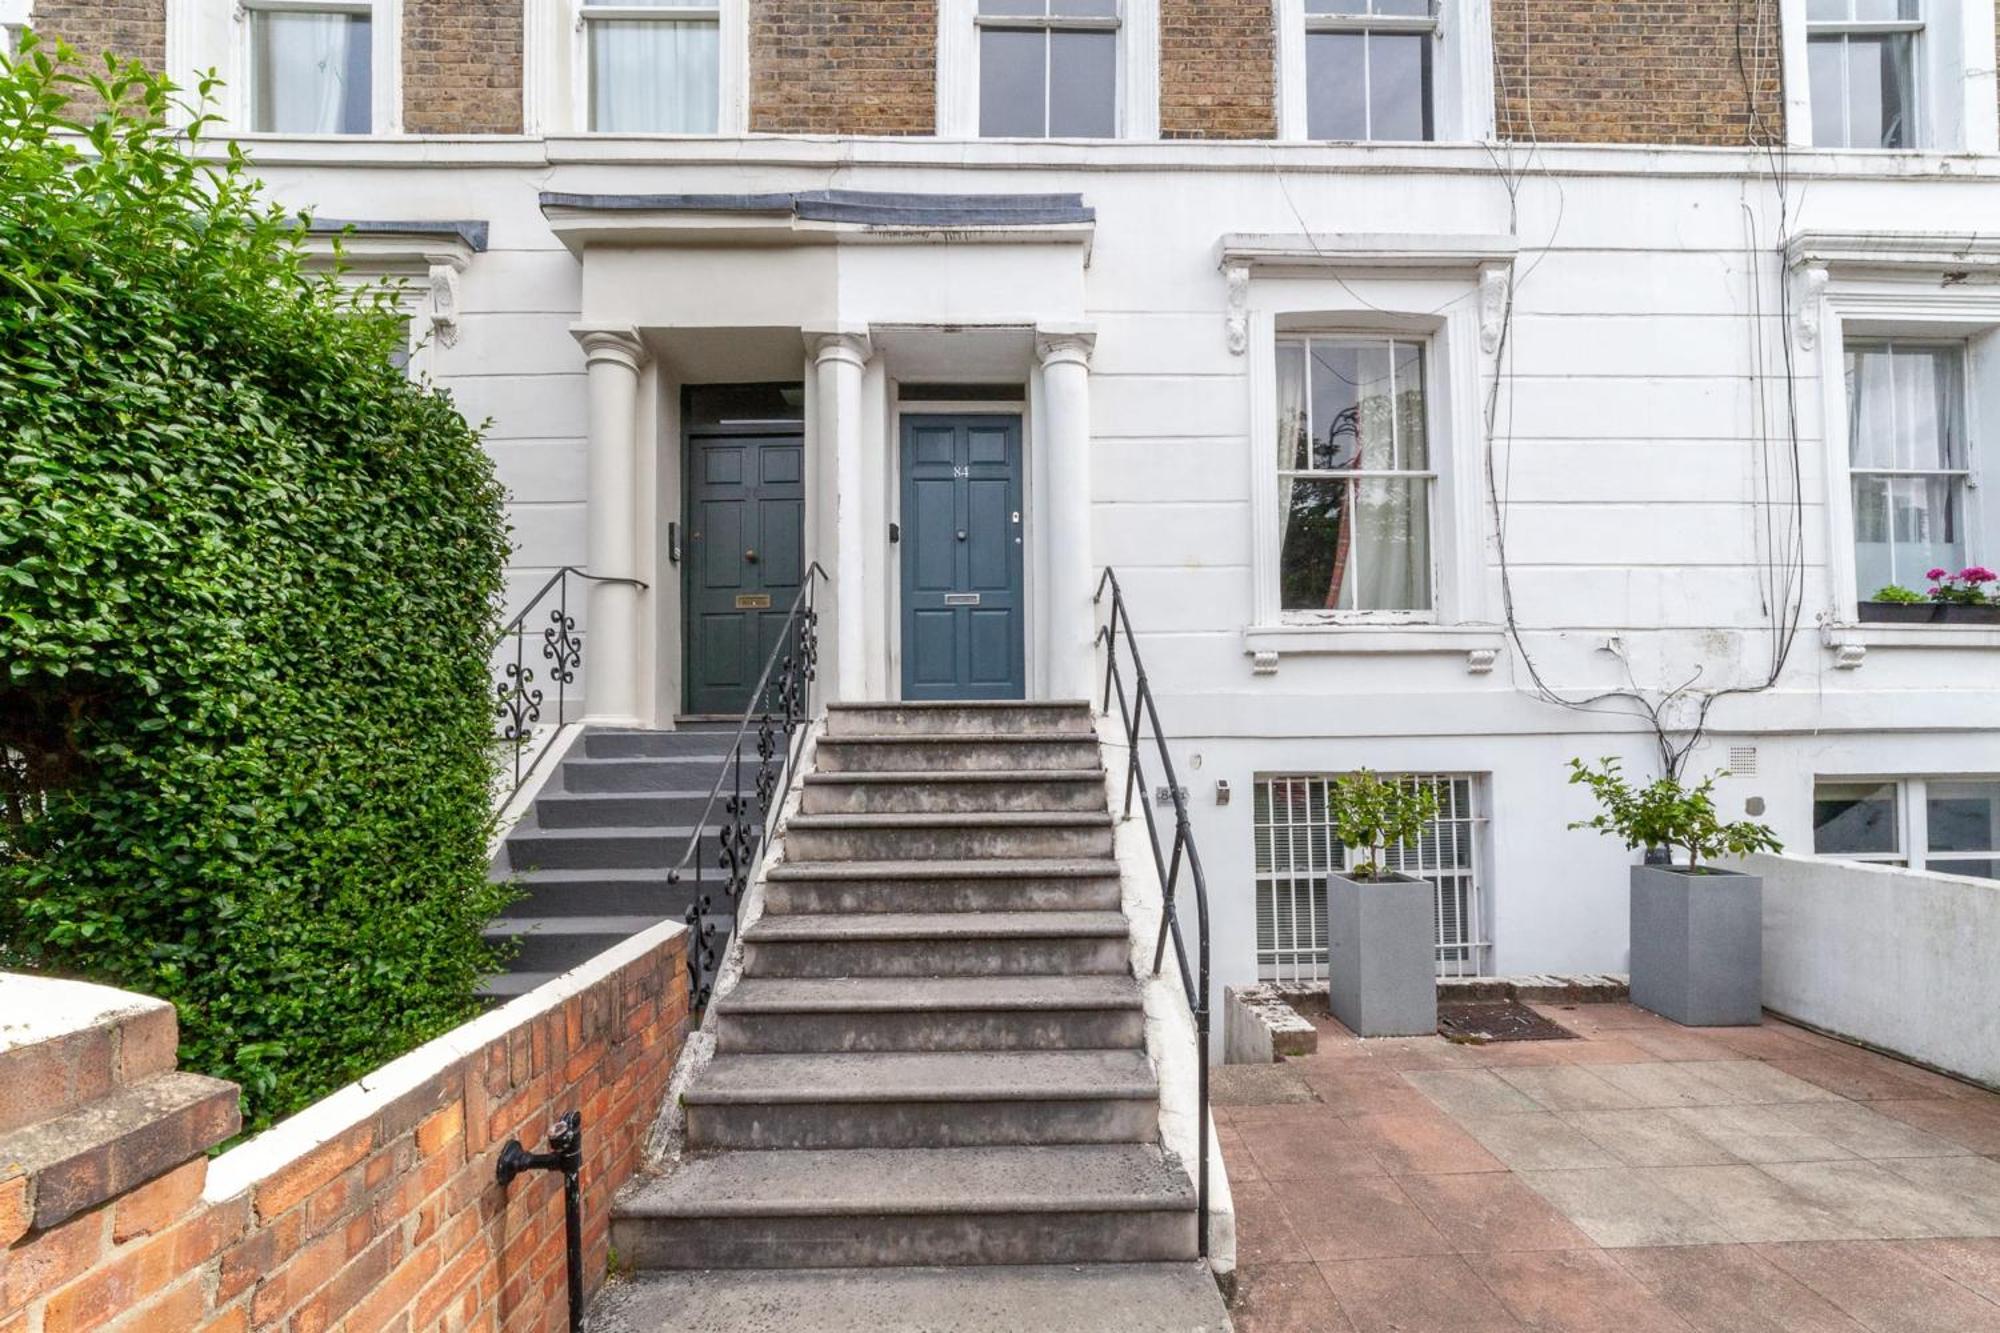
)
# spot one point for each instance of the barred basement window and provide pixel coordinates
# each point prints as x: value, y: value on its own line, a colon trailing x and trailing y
x: 1296, y: 849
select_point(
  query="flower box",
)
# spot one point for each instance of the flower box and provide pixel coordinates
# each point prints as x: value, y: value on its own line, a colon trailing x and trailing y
x: 1928, y: 613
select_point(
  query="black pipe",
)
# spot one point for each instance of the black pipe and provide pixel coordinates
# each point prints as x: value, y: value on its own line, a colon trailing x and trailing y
x: 565, y: 1154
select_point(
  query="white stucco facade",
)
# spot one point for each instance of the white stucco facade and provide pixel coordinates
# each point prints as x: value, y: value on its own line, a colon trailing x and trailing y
x: 1624, y: 345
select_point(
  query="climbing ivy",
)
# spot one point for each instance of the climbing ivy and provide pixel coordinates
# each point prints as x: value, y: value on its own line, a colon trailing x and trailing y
x: 248, y: 574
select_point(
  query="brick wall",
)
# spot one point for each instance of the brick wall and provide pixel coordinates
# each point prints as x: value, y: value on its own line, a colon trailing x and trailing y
x: 1637, y: 71
x: 462, y: 66
x: 376, y: 1208
x: 136, y: 29
x: 1218, y: 69
x: 843, y: 66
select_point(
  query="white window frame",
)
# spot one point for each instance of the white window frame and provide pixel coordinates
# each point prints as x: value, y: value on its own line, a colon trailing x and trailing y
x: 1955, y: 109
x: 1136, y: 100
x: 556, y: 62
x: 1912, y: 805
x: 1868, y: 287
x: 385, y: 57
x: 1461, y: 67
x: 1470, y: 956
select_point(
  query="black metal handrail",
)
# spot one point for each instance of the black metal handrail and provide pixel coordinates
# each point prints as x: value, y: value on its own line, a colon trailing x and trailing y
x: 780, y: 703
x: 517, y: 699
x: 1136, y: 709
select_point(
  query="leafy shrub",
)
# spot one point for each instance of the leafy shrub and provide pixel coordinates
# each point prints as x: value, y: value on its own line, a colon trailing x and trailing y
x: 1899, y: 595
x: 1372, y: 815
x: 1665, y: 814
x: 247, y: 580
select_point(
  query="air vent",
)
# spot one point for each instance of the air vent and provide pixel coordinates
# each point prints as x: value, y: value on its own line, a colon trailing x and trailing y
x: 1742, y: 761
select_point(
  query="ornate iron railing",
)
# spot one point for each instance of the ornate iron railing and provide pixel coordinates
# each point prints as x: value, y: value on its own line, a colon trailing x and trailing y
x: 780, y: 707
x: 1137, y: 712
x: 518, y: 700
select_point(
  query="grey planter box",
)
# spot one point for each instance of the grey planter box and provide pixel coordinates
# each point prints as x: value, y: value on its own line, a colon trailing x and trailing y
x: 1381, y: 955
x: 1698, y: 945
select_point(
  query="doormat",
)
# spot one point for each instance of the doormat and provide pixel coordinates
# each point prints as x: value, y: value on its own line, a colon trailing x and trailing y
x: 1481, y: 1021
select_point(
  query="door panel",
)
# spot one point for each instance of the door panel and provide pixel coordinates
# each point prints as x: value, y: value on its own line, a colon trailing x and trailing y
x: 964, y: 622
x: 742, y: 561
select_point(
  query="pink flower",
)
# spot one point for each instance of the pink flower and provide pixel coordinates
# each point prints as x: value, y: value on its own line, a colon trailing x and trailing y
x: 1977, y: 574
x: 1935, y: 574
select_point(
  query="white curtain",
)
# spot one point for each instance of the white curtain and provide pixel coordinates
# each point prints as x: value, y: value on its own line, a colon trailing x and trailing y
x: 312, y: 73
x: 1292, y: 426
x: 1390, y: 517
x: 650, y: 77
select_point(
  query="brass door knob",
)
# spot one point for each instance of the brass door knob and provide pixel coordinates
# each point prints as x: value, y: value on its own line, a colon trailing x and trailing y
x: 751, y: 556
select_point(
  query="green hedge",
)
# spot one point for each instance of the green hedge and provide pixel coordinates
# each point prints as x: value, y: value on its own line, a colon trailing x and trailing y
x: 248, y: 574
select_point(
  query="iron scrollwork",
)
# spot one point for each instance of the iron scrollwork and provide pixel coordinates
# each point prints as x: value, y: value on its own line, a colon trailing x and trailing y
x: 517, y: 698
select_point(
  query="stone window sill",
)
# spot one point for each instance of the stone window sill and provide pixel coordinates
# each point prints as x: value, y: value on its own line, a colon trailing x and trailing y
x: 1266, y: 645
x: 1850, y: 643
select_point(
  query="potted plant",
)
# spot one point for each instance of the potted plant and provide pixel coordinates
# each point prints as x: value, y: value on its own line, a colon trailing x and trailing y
x: 1380, y: 932
x: 1697, y: 931
x: 1964, y: 598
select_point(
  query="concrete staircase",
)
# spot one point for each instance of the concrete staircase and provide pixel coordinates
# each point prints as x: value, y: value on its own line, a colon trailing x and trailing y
x: 936, y: 1054
x: 593, y: 851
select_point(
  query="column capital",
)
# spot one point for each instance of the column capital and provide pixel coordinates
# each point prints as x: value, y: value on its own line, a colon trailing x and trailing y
x: 838, y: 342
x: 1065, y: 344
x: 610, y: 342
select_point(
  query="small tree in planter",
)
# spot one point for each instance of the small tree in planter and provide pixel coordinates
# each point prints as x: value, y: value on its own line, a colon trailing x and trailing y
x: 1381, y: 935
x: 1697, y: 931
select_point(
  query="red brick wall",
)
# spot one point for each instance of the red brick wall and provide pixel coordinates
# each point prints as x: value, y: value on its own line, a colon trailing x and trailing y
x: 843, y: 66
x: 136, y: 29
x: 394, y: 1219
x: 1638, y: 71
x: 1218, y: 69
x: 462, y: 66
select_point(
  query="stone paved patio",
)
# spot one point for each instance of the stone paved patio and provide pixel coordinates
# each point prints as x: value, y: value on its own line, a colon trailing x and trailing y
x: 1643, y: 1177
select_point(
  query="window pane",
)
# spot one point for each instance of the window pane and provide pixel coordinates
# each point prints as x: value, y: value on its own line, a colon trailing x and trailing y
x: 1904, y: 526
x: 1822, y: 11
x: 1825, y: 71
x: 1978, y: 868
x: 651, y: 77
x: 1879, y: 91
x: 311, y: 73
x: 1871, y: 407
x: 1013, y: 89
x: 1336, y: 6
x: 1336, y: 94
x: 1929, y: 407
x: 1012, y: 7
x: 1399, y: 86
x: 1314, y: 553
x: 1884, y: 11
x: 1412, y: 433
x: 1392, y: 534
x: 1345, y: 376
x: 1855, y: 819
x: 1098, y: 9
x: 1407, y: 8
x: 1083, y: 84
x: 1293, y: 423
x: 1963, y: 816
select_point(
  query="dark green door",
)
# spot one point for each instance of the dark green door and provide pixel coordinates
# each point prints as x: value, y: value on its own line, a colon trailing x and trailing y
x: 963, y: 609
x: 741, y: 562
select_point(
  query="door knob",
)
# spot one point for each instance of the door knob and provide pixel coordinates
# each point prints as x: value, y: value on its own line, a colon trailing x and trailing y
x: 961, y: 534
x: 751, y: 556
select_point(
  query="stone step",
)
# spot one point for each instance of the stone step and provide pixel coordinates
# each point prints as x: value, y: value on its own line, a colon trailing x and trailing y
x: 640, y: 775
x: 960, y: 837
x: 938, y: 1099
x: 974, y: 718
x: 848, y: 887
x: 947, y: 753
x: 566, y: 809
x: 601, y: 893
x: 974, y: 793
x: 769, y: 1015
x: 1016, y: 1298
x: 559, y: 943
x: 632, y: 848
x: 711, y: 745
x: 947, y: 944
x: 1116, y: 1203
x: 64, y: 1044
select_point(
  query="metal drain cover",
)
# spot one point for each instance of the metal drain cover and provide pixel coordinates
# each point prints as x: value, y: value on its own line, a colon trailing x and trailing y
x: 1496, y: 1020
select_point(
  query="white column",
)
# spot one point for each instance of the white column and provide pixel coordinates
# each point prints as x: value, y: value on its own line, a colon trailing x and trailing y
x: 611, y: 649
x: 1072, y: 575
x: 840, y: 358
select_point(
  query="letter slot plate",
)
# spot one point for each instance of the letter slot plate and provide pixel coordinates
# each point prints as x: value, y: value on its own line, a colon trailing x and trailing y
x: 961, y: 599
x: 753, y: 601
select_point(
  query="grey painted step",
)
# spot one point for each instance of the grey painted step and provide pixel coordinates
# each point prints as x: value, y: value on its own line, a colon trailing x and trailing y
x: 936, y: 1099
x: 661, y: 744
x: 559, y: 943
x: 639, y: 775
x: 766, y: 1015
x: 960, y: 837
x: 927, y: 793
x: 953, y: 754
x: 600, y: 893
x: 1067, y: 1298
x: 1119, y: 1203
x: 847, y: 887
x: 897, y: 944
x: 964, y: 719
x: 564, y: 809
x: 504, y: 986
x: 596, y: 848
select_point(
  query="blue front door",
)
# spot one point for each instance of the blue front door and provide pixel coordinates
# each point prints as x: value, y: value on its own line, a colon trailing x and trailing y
x: 743, y: 560
x: 964, y: 621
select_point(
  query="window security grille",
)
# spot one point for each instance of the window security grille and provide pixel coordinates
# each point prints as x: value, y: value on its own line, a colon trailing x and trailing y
x: 1296, y: 848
